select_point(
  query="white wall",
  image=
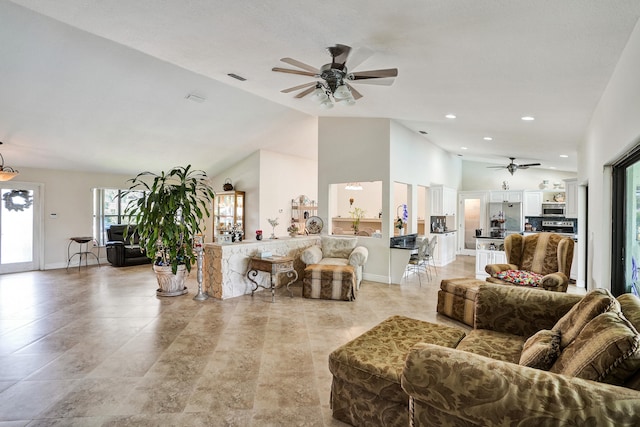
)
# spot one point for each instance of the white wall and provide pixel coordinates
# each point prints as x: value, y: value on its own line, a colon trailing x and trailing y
x: 270, y: 180
x: 70, y: 196
x: 613, y: 130
x: 360, y: 149
x: 477, y: 176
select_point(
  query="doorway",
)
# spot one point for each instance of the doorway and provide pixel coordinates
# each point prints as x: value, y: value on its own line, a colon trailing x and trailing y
x: 472, y: 217
x: 19, y: 227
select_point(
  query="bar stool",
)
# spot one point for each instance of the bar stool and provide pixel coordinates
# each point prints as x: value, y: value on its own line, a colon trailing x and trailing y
x: 82, y: 241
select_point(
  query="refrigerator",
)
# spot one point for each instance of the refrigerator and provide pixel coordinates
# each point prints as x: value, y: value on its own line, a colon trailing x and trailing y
x: 505, y: 218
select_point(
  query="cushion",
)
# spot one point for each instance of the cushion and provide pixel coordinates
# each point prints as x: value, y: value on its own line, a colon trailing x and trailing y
x: 338, y: 247
x: 520, y: 277
x: 607, y: 349
x: 541, y: 350
x: 595, y: 302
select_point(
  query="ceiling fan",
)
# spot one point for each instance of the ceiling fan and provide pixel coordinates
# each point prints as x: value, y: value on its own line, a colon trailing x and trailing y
x: 334, y: 79
x: 512, y: 167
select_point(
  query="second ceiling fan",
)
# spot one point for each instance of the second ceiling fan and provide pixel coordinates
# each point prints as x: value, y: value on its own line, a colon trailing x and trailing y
x: 512, y: 167
x: 334, y: 79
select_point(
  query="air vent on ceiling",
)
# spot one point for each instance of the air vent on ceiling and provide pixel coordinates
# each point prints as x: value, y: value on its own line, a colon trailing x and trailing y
x: 195, y: 98
x: 237, y: 77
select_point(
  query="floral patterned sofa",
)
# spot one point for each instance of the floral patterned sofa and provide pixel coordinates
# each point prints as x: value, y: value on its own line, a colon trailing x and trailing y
x: 533, y: 358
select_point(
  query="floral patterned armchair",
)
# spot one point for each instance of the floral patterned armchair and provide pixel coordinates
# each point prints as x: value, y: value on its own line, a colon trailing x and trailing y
x: 540, y: 260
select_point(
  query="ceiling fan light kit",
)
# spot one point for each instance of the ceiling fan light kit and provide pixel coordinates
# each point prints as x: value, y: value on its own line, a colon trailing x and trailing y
x: 334, y: 79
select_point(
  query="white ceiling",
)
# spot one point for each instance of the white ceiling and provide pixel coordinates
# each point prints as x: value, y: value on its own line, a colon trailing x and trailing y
x: 107, y: 91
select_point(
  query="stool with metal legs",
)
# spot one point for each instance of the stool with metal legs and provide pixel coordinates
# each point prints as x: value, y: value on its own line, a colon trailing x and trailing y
x: 82, y: 253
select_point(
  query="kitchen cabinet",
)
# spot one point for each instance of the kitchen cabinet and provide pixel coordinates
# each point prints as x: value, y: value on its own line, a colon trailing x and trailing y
x: 444, y: 200
x: 571, y: 198
x: 488, y: 252
x: 445, y: 250
x: 512, y: 196
x: 532, y: 205
x: 228, y: 211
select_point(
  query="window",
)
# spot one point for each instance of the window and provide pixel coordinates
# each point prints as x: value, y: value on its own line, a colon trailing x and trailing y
x: 626, y: 224
x: 109, y: 205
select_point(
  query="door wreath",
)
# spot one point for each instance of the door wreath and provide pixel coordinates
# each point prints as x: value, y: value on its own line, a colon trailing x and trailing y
x: 17, y: 200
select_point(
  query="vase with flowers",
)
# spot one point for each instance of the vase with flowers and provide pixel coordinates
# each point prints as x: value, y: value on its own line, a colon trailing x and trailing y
x: 293, y: 229
x: 402, y: 218
x: 356, y: 214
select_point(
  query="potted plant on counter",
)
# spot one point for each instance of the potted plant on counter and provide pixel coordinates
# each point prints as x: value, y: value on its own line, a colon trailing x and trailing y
x: 168, y: 215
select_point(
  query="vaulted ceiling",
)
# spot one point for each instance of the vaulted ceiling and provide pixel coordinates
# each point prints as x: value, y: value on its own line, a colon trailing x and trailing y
x: 95, y: 85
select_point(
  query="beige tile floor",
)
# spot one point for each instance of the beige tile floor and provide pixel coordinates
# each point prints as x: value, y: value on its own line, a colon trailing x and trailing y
x: 96, y: 347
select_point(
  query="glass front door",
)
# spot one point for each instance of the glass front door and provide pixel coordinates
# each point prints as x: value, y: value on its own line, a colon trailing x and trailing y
x: 18, y: 227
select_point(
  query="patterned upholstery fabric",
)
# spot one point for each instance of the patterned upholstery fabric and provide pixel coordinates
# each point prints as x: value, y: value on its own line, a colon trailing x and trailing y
x: 327, y: 281
x: 595, y: 302
x: 497, y: 345
x: 457, y: 299
x: 338, y: 247
x: 548, y: 254
x: 520, y: 277
x: 520, y: 310
x: 366, y: 371
x: 449, y: 387
x: 606, y: 350
x: 541, y: 350
x: 338, y: 251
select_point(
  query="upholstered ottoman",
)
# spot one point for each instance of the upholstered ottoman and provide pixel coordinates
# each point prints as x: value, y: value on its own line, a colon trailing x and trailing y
x: 457, y: 299
x: 328, y: 281
x: 366, y: 390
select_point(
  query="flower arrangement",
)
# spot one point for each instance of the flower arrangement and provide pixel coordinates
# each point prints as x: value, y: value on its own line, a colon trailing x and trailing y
x: 293, y: 229
x: 402, y: 220
x: 274, y: 223
x: 356, y: 214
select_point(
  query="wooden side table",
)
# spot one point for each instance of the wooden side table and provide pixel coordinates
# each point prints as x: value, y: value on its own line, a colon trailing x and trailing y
x: 273, y: 265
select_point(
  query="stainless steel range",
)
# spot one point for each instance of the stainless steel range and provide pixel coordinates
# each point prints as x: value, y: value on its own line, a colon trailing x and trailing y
x: 565, y: 226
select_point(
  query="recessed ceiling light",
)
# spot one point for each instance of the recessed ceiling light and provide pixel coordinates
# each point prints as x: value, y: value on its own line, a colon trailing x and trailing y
x: 552, y: 167
x: 564, y: 156
x: 488, y: 138
x: 463, y: 148
x: 528, y: 118
x: 450, y: 116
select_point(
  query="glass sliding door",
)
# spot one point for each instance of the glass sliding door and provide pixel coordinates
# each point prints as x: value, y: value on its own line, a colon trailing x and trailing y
x: 626, y: 225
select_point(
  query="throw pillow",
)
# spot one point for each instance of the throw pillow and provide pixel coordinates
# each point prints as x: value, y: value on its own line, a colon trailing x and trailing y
x: 595, y: 302
x: 520, y: 277
x: 606, y: 350
x: 338, y: 247
x: 541, y: 350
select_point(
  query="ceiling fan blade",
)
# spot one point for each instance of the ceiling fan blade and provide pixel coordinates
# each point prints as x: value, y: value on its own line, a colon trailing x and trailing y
x: 305, y: 92
x: 358, y: 56
x: 286, y: 70
x: 383, y: 81
x: 299, y: 64
x: 529, y: 164
x: 339, y: 53
x: 292, y: 89
x: 356, y: 95
x: 496, y: 167
x: 376, y: 74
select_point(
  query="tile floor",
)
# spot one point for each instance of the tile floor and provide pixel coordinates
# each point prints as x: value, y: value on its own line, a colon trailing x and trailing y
x: 96, y: 347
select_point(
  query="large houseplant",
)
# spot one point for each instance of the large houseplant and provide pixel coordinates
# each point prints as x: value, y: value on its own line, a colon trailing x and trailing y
x: 168, y: 215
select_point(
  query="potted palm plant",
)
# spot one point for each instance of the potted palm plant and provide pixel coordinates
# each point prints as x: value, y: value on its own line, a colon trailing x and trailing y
x: 168, y: 215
